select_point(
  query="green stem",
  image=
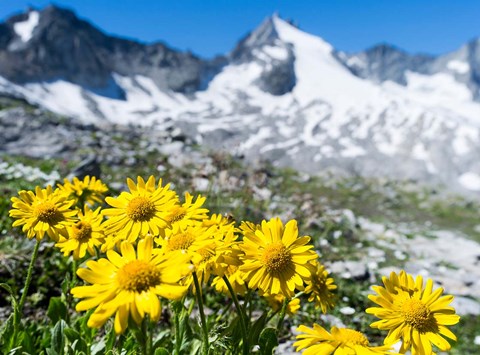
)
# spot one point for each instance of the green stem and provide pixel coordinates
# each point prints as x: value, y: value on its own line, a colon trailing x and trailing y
x: 198, y: 294
x: 298, y: 295
x: 281, y: 317
x: 150, y: 326
x: 178, y: 336
x: 241, y: 312
x: 141, y: 335
x: 145, y: 336
x: 248, y: 306
x: 270, y: 316
x: 180, y: 318
x: 74, y: 272
x: 29, y: 277
x: 18, y: 313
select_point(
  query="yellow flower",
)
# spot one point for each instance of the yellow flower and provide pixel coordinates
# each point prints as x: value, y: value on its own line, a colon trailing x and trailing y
x: 141, y: 211
x: 189, y: 211
x: 276, y: 302
x: 226, y: 248
x: 249, y: 228
x: 415, y: 314
x: 232, y: 272
x: 340, y: 341
x: 319, y: 288
x: 89, y: 190
x: 235, y: 278
x: 45, y: 211
x: 129, y: 284
x: 276, y: 261
x: 194, y: 241
x: 84, y: 235
x: 218, y: 220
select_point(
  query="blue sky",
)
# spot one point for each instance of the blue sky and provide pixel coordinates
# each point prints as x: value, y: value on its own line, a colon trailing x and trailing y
x: 209, y: 27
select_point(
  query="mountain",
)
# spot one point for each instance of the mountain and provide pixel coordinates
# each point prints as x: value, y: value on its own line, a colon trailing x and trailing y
x: 281, y: 94
x: 385, y: 62
x: 54, y: 45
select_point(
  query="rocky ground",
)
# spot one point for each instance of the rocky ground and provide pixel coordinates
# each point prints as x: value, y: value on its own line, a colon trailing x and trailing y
x: 362, y: 229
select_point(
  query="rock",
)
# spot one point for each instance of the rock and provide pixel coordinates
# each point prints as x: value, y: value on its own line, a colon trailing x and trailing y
x: 347, y: 310
x: 261, y: 194
x: 200, y: 184
x: 89, y: 166
x: 356, y: 270
x: 464, y: 306
x: 286, y: 348
x: 172, y: 148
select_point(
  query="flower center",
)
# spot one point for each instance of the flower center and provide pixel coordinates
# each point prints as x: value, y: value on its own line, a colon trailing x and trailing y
x: 276, y: 257
x: 47, y: 212
x: 352, y: 337
x: 417, y: 315
x: 138, y: 276
x: 180, y: 241
x: 82, y: 232
x: 140, y: 209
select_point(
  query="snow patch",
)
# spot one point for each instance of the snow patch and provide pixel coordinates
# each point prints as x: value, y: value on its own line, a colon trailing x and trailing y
x: 420, y: 152
x: 470, y: 181
x: 256, y: 139
x: 386, y: 148
x: 440, y: 85
x: 320, y: 74
x: 463, y: 141
x: 25, y: 28
x: 327, y: 150
x: 278, y: 53
x: 355, y: 62
x: 350, y: 150
x: 458, y: 66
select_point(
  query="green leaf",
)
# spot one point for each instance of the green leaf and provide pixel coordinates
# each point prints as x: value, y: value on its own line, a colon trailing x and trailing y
x: 98, y: 347
x: 7, y: 329
x: 7, y: 288
x: 65, y: 286
x: 268, y: 341
x: 6, y: 335
x: 257, y: 328
x: 196, y: 347
x: 177, y: 307
x: 58, y: 337
x: 110, y: 339
x: 81, y: 324
x: 71, y: 334
x: 161, y: 351
x: 57, y: 309
x: 28, y: 342
x: 78, y: 343
x: 233, y: 330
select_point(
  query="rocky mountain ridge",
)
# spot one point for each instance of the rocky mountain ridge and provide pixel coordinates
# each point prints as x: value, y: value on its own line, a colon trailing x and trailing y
x: 281, y: 94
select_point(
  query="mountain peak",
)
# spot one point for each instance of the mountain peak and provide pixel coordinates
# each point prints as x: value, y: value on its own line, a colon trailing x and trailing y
x: 265, y: 34
x: 268, y: 33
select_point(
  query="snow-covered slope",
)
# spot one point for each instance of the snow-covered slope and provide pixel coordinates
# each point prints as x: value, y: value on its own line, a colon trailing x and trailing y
x: 290, y: 97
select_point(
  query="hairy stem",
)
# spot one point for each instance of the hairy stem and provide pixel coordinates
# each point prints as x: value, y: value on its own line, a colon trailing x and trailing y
x: 18, y: 313
x: 203, y: 320
x: 243, y: 317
